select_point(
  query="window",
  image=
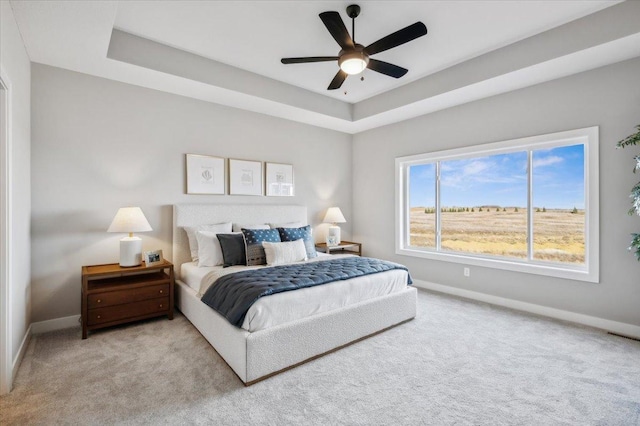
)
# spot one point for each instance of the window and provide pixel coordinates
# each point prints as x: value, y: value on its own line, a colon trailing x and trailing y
x: 528, y: 205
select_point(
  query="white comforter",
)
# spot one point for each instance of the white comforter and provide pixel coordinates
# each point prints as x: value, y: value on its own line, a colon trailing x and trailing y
x: 280, y: 308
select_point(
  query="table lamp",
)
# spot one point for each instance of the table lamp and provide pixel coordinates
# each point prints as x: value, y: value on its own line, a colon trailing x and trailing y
x: 334, y: 216
x: 130, y: 219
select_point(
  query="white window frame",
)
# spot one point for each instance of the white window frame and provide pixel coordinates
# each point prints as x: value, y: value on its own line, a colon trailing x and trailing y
x: 589, y: 272
x: 6, y: 355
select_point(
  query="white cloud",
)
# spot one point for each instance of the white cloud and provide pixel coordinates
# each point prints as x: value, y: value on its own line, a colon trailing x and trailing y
x: 547, y: 161
x: 466, y: 173
x: 476, y: 167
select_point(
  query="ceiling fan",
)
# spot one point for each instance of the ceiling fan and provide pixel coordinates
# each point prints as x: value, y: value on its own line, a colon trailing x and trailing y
x: 354, y: 57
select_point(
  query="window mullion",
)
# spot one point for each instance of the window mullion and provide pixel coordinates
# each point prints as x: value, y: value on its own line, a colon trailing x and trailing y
x: 406, y: 221
x: 438, y: 211
x: 530, y: 205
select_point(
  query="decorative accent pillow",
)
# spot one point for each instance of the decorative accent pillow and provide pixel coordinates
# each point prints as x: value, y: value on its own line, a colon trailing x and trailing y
x: 254, y: 239
x: 233, y: 251
x: 237, y: 227
x: 286, y: 225
x: 303, y: 233
x: 287, y: 252
x: 218, y: 228
x: 209, y: 250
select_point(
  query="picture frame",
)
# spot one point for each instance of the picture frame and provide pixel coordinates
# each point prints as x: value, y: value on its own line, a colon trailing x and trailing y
x: 152, y: 258
x: 279, y: 180
x: 245, y: 177
x: 205, y: 174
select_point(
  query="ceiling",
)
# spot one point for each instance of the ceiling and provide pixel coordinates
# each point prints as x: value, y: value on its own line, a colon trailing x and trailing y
x: 239, y: 45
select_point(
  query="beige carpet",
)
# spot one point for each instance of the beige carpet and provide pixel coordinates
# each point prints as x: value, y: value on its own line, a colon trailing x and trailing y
x: 459, y: 362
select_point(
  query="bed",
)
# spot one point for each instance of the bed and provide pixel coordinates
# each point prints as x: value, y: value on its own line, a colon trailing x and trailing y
x: 266, y: 347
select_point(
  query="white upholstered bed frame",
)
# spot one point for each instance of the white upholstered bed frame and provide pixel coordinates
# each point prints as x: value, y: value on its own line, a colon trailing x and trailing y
x: 254, y: 356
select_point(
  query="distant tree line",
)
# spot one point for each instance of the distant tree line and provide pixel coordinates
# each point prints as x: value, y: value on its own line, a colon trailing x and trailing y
x: 432, y: 210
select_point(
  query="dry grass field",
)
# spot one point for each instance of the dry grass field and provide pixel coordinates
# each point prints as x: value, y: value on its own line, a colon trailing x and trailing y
x: 558, y: 234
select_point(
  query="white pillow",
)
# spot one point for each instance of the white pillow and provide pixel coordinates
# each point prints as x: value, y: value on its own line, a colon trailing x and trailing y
x: 218, y: 228
x: 237, y: 227
x: 209, y: 250
x: 287, y: 252
x: 287, y: 225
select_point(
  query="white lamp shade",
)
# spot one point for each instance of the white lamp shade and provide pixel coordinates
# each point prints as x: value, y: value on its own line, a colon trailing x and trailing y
x: 334, y: 215
x: 129, y: 219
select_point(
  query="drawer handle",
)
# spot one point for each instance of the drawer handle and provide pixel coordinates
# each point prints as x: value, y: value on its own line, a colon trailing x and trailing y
x: 161, y: 305
x: 161, y: 291
x: 99, y: 317
x: 98, y: 301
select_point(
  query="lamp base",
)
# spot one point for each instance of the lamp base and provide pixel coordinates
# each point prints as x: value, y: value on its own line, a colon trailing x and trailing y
x: 130, y: 251
x: 333, y: 236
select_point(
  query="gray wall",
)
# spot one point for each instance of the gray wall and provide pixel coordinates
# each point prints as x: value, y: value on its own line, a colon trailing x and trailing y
x: 608, y: 97
x: 98, y: 145
x: 16, y: 65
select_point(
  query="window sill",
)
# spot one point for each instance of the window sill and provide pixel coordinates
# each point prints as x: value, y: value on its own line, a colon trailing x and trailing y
x: 551, y: 270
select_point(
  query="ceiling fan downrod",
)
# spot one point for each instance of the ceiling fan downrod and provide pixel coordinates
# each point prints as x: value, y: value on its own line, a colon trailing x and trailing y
x: 353, y: 11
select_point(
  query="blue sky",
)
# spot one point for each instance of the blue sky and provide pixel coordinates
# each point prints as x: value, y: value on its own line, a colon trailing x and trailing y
x: 558, y: 180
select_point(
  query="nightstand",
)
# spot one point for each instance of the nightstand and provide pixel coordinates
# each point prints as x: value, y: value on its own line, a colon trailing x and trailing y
x: 345, y: 247
x: 113, y: 295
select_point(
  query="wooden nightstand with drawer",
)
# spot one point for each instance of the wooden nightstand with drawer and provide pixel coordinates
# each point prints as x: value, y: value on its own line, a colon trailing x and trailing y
x: 113, y: 295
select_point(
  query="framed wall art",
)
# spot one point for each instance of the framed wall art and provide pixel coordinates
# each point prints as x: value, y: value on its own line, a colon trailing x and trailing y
x: 205, y: 174
x: 279, y: 180
x: 245, y: 177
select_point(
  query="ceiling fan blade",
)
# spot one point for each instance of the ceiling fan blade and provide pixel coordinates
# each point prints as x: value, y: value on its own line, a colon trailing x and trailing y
x: 337, y: 80
x: 386, y: 68
x: 402, y: 36
x: 308, y: 59
x: 335, y: 25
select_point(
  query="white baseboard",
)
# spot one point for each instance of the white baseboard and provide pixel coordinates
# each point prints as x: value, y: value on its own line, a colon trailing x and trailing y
x: 621, y: 328
x: 20, y: 355
x: 41, y: 327
x: 55, y: 324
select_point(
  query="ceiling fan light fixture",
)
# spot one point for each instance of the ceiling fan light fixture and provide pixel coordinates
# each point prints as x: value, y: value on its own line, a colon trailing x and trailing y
x: 353, y: 62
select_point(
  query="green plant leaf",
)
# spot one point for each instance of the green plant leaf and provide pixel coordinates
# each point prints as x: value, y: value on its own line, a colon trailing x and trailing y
x: 631, y: 139
x: 635, y: 200
x: 635, y: 191
x: 635, y: 245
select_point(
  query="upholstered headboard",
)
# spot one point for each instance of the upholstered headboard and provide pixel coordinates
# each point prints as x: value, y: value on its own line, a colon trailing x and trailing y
x: 199, y: 214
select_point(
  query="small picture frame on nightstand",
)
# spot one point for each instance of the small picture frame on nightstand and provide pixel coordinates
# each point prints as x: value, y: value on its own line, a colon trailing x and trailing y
x: 152, y: 258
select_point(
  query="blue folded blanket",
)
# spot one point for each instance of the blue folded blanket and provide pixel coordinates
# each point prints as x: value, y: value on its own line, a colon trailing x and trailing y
x: 232, y: 295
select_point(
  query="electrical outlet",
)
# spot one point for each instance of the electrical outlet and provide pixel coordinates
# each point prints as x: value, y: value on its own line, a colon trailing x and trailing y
x: 467, y: 272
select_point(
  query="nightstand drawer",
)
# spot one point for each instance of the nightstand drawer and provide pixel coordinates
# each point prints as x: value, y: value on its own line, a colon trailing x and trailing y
x: 128, y: 310
x: 120, y: 297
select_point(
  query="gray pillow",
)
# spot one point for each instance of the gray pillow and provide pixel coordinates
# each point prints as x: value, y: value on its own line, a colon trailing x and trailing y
x: 233, y: 251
